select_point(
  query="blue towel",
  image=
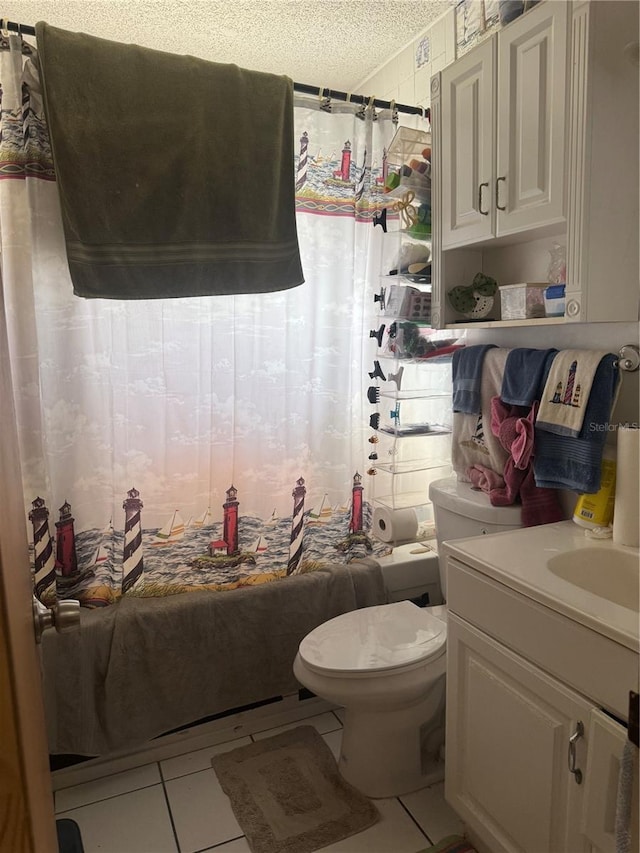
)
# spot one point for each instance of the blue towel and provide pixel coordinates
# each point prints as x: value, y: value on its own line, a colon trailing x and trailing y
x: 467, y: 375
x: 567, y: 462
x: 525, y: 374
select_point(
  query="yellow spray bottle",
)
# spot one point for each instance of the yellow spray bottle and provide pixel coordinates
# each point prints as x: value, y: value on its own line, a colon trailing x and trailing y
x: 597, y: 510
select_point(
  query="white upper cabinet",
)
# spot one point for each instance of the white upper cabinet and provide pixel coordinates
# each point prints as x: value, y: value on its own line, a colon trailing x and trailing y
x: 503, y: 131
x: 531, y: 115
x: 468, y: 158
x: 535, y: 143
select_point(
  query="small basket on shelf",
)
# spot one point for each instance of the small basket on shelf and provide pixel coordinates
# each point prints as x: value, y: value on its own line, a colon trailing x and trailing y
x: 474, y: 301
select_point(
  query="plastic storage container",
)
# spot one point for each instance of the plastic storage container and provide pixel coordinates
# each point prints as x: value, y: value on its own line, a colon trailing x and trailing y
x: 522, y: 301
x: 554, y: 300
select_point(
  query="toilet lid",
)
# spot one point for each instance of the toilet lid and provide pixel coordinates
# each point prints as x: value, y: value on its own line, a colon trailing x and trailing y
x: 374, y: 639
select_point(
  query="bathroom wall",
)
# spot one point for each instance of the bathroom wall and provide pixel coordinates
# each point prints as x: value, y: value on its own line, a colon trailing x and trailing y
x: 404, y: 77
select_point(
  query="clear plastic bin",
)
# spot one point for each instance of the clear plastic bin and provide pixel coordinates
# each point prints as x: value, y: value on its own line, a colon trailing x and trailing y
x: 522, y: 301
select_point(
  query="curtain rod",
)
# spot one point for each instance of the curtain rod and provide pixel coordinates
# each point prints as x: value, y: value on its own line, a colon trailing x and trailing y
x: 303, y: 88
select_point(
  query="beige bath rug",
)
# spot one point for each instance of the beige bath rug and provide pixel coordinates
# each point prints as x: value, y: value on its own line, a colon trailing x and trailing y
x: 288, y: 796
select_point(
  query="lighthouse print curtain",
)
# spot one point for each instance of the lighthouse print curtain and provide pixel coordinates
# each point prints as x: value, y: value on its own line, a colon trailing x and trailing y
x: 175, y: 444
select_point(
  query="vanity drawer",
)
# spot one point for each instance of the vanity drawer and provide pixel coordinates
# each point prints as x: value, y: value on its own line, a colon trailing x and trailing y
x: 592, y: 664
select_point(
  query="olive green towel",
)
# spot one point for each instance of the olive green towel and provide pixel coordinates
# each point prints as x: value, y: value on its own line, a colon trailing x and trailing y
x: 145, y: 666
x: 176, y: 175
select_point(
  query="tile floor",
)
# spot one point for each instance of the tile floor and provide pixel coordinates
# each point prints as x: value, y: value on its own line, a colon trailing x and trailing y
x: 177, y: 806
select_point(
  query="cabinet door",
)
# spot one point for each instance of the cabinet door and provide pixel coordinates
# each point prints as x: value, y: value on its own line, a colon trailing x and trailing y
x: 530, y: 180
x: 606, y: 743
x: 468, y: 119
x: 508, y: 730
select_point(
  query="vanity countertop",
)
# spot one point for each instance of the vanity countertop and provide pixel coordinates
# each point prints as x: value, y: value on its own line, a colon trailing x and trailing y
x: 518, y: 559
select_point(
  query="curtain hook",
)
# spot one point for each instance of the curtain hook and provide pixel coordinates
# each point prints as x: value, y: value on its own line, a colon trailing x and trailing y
x: 325, y: 100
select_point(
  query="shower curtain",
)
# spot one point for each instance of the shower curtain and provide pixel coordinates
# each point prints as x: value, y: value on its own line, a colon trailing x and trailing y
x: 177, y: 443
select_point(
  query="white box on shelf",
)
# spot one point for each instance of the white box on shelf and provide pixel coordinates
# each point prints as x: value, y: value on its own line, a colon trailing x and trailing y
x: 522, y: 301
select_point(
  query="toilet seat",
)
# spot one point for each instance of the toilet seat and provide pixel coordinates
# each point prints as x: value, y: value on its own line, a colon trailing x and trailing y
x: 374, y: 641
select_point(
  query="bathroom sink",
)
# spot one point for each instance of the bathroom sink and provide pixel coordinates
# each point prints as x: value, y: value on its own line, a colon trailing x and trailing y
x: 608, y: 573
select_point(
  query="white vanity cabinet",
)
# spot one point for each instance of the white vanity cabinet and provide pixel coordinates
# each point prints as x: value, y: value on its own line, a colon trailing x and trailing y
x: 532, y: 756
x: 535, y: 141
x: 508, y: 730
x: 606, y: 738
x: 503, y: 131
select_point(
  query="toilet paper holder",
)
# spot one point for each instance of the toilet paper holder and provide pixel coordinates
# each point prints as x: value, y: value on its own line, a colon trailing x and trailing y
x: 629, y: 358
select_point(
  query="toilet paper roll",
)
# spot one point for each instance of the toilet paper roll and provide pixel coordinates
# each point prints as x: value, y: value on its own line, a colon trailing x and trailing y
x: 626, y: 508
x: 394, y: 525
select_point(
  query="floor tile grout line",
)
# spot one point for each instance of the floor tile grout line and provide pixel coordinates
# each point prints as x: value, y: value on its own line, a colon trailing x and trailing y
x: 220, y: 844
x: 338, y: 719
x: 300, y: 723
x: 105, y: 799
x: 168, y: 805
x: 415, y: 821
x: 106, y: 776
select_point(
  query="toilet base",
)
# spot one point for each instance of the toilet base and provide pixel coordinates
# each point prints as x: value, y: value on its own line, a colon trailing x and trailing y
x: 389, y: 753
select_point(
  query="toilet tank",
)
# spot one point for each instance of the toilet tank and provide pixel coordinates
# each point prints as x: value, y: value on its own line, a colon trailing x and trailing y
x: 411, y: 573
x: 461, y: 511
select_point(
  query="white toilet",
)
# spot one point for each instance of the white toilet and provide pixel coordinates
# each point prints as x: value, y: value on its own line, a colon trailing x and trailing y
x: 386, y: 666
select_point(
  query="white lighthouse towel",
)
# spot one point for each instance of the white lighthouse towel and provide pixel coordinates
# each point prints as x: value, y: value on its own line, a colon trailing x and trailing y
x: 567, y: 390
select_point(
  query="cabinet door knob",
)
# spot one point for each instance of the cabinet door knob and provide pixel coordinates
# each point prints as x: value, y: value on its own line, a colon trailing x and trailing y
x: 498, y: 205
x: 575, y: 737
x: 480, y: 210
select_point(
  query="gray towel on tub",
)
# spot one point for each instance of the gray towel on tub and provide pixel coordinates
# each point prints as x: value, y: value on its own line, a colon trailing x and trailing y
x: 176, y: 175
x: 145, y: 666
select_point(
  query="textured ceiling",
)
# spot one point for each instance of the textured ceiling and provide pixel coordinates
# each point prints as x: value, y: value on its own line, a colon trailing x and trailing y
x: 332, y: 43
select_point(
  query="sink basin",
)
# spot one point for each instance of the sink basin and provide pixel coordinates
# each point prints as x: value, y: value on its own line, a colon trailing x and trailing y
x: 605, y: 572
